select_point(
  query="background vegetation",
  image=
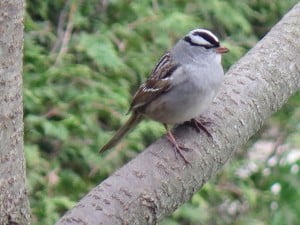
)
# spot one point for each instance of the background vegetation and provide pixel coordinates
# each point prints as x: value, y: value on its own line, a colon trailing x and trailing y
x: 82, y: 62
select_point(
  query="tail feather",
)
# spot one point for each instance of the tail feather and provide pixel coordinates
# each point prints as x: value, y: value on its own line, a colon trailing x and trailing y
x: 134, y: 119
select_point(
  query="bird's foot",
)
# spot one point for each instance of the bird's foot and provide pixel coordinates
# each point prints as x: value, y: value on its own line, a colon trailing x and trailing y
x: 178, y: 148
x: 200, y: 124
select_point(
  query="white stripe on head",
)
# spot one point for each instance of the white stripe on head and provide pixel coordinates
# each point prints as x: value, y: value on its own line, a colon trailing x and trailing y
x: 203, y: 37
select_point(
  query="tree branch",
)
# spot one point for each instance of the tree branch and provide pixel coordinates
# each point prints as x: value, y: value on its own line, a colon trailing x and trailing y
x: 155, y: 183
x: 14, y: 204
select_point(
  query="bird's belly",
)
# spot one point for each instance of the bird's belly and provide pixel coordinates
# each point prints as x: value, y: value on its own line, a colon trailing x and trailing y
x: 173, y: 108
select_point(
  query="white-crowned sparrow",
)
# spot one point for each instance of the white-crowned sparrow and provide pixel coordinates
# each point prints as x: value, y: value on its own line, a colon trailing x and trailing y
x: 181, y: 86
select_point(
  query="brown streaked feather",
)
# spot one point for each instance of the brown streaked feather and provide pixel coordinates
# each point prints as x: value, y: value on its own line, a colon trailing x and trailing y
x: 150, y: 90
x: 158, y: 83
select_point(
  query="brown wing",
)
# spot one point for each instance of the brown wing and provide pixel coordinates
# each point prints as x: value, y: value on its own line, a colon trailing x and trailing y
x: 158, y: 83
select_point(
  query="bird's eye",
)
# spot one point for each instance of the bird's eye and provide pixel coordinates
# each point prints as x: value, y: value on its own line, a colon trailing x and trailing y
x: 208, y: 46
x: 201, y: 42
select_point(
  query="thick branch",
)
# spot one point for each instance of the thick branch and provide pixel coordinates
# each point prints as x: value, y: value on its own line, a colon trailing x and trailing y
x: 14, y: 204
x: 155, y: 183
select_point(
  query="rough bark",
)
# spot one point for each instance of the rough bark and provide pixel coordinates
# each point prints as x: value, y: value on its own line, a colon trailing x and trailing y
x: 155, y: 183
x: 14, y: 206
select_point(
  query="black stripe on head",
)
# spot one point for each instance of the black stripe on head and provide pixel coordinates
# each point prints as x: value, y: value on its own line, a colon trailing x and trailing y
x: 189, y: 40
x: 206, y: 36
x: 207, y: 46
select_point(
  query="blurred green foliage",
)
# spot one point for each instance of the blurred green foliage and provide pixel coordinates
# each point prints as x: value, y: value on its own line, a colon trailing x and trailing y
x: 82, y: 62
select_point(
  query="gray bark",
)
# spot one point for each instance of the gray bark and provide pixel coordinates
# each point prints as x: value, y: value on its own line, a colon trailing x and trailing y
x: 14, y: 206
x: 155, y: 183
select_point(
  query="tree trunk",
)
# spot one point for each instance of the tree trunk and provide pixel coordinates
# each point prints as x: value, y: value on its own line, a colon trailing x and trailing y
x: 155, y: 183
x: 14, y: 206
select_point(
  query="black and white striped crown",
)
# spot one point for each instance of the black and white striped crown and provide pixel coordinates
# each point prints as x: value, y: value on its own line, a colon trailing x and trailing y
x: 202, y: 37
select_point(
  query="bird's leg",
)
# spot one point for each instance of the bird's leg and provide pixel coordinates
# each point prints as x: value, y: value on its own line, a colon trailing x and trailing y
x: 200, y: 124
x: 177, y: 147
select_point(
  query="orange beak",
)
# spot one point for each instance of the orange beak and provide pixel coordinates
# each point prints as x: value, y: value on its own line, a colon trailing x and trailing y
x: 222, y: 50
